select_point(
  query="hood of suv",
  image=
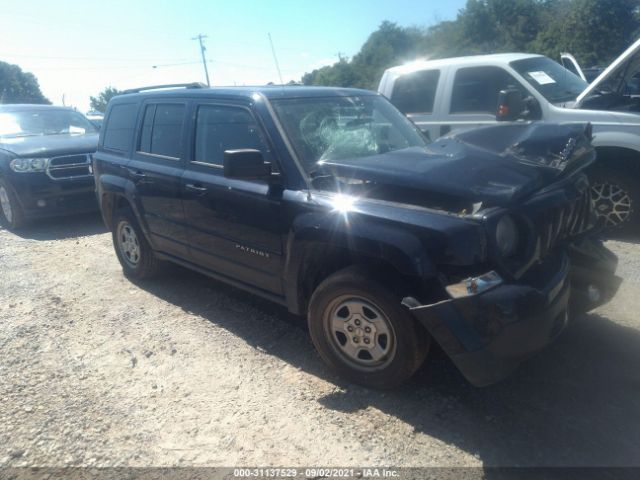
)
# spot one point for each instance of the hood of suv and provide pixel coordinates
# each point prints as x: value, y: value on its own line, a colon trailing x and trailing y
x: 49, y: 145
x: 497, y: 166
x: 617, y: 74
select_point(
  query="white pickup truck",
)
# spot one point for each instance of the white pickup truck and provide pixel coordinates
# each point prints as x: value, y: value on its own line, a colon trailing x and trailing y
x: 447, y: 95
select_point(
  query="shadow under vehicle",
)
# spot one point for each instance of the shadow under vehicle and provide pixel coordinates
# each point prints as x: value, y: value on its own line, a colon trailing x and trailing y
x: 331, y: 203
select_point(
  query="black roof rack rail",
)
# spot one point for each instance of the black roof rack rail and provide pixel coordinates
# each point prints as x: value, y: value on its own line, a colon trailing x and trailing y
x: 171, y: 85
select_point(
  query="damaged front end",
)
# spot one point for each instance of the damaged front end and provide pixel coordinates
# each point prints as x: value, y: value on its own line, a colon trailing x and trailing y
x: 489, y: 325
x: 550, y: 267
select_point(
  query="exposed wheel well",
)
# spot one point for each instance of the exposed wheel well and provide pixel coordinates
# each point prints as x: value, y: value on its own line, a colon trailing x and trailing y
x: 618, y: 159
x: 323, y: 262
x: 110, y: 205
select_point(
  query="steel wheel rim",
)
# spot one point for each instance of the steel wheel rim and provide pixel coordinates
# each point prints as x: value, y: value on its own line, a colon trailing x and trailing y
x: 612, y: 204
x: 128, y: 243
x: 5, y: 204
x: 360, y: 333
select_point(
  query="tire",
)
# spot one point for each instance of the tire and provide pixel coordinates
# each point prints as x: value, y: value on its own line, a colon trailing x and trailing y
x: 11, y: 215
x: 353, y: 302
x: 134, y: 252
x: 616, y: 201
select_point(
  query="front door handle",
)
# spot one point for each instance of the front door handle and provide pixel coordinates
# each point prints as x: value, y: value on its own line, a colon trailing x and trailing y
x: 196, y: 188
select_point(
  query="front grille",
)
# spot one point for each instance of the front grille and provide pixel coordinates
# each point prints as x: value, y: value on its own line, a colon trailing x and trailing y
x: 69, y: 166
x: 560, y: 223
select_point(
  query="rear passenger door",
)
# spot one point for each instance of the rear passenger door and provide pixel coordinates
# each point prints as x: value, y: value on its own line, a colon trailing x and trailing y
x: 235, y: 226
x: 156, y: 170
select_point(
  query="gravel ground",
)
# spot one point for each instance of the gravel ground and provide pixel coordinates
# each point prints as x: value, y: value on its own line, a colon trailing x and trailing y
x: 98, y: 371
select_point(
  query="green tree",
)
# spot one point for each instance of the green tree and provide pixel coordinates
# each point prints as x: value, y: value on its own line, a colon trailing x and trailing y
x: 388, y: 46
x: 595, y: 31
x: 340, y: 74
x: 17, y: 86
x: 99, y: 102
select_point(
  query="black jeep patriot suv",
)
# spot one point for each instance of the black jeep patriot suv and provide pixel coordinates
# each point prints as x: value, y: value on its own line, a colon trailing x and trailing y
x: 45, y: 163
x: 330, y: 201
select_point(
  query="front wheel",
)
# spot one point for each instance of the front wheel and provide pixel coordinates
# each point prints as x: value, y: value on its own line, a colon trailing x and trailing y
x: 361, y: 330
x: 134, y: 252
x: 11, y: 215
x: 616, y: 201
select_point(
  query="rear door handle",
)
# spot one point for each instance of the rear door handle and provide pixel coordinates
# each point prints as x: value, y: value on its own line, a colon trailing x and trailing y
x: 137, y: 174
x: 196, y: 188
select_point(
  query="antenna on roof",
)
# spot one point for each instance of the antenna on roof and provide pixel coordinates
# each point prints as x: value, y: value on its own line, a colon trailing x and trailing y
x: 275, y: 59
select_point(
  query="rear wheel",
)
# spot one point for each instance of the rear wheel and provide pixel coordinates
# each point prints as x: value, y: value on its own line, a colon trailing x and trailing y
x: 361, y: 330
x: 134, y: 252
x: 11, y: 215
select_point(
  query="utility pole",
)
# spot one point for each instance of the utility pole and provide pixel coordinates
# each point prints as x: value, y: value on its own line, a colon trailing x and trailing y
x: 275, y: 59
x: 200, y: 37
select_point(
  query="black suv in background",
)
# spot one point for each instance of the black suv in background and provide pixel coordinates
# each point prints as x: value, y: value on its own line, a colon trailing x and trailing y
x: 330, y: 201
x: 45, y: 163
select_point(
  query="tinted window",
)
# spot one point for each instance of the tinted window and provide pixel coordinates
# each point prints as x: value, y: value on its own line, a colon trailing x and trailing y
x: 162, y: 130
x: 415, y: 92
x: 224, y: 128
x: 119, y: 127
x: 475, y: 90
x: 147, y: 124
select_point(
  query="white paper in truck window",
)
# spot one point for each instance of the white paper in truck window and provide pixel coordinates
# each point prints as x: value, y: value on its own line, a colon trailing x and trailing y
x: 541, y: 77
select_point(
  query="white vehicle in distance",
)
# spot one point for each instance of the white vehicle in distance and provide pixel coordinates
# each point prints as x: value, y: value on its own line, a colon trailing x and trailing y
x: 453, y: 94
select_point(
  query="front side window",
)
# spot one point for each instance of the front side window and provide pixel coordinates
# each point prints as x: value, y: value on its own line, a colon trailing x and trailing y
x: 552, y: 80
x: 220, y: 128
x: 416, y: 92
x: 351, y: 127
x: 476, y: 89
x: 162, y: 130
x: 40, y: 122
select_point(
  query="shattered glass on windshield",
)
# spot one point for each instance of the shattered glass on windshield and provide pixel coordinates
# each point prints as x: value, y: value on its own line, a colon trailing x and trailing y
x: 332, y: 128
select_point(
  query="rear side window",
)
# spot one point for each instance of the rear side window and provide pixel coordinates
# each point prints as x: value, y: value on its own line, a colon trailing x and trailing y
x: 476, y: 89
x: 221, y: 128
x: 119, y: 127
x: 162, y: 130
x: 415, y: 92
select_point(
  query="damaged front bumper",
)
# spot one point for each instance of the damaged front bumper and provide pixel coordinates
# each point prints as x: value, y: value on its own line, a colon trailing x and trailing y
x: 488, y: 334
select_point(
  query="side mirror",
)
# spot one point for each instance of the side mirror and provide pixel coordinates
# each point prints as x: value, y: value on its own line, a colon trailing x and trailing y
x: 246, y: 164
x: 511, y: 105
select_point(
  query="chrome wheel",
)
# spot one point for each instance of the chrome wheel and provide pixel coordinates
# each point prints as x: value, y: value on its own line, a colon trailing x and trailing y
x: 5, y: 204
x: 128, y: 244
x: 611, y: 203
x: 360, y: 333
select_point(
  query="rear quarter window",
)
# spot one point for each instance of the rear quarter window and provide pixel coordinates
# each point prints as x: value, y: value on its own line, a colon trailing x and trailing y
x: 416, y: 92
x: 119, y: 127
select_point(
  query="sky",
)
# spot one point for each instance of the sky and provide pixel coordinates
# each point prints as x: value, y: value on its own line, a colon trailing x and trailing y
x: 77, y: 48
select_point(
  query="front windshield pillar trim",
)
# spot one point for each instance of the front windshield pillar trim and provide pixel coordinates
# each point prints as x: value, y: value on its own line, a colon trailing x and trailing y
x: 286, y: 141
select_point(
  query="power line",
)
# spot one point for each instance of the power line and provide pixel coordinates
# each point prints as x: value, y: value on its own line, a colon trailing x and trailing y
x: 275, y: 59
x: 94, y: 58
x: 200, y: 37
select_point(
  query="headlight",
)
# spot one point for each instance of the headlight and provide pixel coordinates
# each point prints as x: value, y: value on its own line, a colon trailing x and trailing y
x: 507, y: 236
x: 27, y: 165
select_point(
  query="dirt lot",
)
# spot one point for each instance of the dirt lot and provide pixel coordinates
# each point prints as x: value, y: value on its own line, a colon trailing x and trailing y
x: 96, y: 370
